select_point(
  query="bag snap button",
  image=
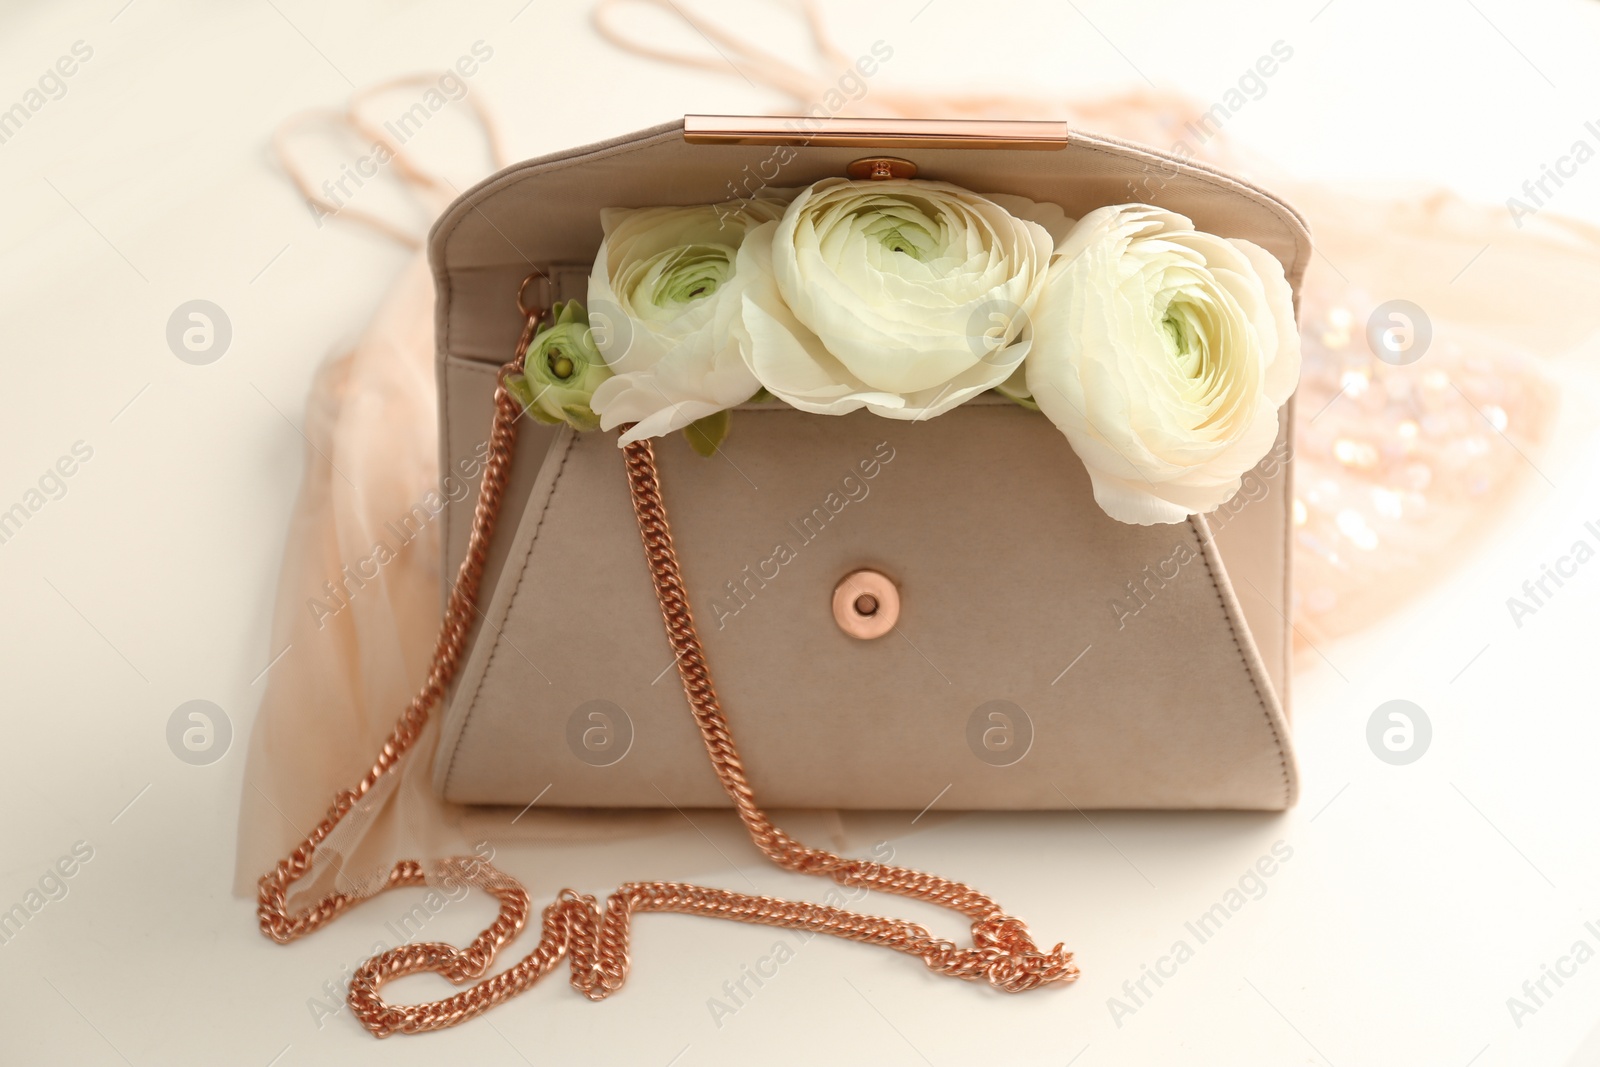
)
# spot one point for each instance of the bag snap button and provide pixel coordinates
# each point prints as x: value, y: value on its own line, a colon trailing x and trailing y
x: 866, y: 604
x: 880, y: 168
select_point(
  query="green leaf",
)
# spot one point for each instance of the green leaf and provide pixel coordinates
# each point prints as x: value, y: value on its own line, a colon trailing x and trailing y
x: 706, y: 435
x: 518, y: 387
x: 580, y: 417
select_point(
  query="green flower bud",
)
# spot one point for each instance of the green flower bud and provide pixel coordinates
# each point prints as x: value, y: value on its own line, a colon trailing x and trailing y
x: 561, y: 371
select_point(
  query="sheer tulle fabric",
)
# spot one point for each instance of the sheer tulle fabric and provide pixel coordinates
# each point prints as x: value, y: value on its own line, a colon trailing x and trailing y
x: 1401, y: 469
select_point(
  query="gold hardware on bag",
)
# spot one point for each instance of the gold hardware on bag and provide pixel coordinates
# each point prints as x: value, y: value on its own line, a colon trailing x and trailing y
x: 880, y: 168
x: 806, y: 131
x: 866, y: 604
x: 542, y: 305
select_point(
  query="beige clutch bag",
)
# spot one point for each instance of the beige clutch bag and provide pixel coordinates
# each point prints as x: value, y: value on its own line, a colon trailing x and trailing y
x: 1040, y: 654
x: 898, y: 614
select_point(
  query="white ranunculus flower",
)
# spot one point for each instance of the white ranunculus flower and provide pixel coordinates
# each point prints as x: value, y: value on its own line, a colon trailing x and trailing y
x: 1163, y: 354
x: 663, y: 297
x: 905, y: 297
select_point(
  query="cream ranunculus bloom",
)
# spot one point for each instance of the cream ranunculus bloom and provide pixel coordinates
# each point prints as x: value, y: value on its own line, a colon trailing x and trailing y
x: 663, y: 298
x: 1163, y: 354
x: 905, y: 297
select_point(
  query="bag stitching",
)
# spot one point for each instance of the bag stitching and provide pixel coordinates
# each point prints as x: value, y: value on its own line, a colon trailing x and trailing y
x: 1224, y: 182
x: 444, y: 432
x: 1287, y: 591
x: 1233, y: 632
x: 521, y: 171
x: 527, y: 564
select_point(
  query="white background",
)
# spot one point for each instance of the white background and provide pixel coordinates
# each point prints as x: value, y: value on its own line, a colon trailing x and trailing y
x: 1417, y: 900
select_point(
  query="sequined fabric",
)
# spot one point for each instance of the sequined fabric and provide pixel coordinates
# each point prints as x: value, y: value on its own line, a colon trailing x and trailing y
x: 1399, y: 465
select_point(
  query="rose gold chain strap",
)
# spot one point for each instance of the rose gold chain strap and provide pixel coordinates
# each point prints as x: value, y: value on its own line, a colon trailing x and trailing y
x: 575, y: 924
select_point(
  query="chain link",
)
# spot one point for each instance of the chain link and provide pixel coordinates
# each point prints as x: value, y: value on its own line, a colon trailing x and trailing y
x: 594, y: 937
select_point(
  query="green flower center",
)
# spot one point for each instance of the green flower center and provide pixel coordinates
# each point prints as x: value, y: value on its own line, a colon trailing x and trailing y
x: 686, y: 274
x: 1186, y: 338
x: 560, y: 363
x: 904, y: 230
